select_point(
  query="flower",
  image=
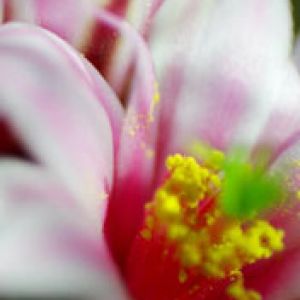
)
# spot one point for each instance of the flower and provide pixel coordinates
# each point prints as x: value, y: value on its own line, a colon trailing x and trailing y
x: 74, y: 218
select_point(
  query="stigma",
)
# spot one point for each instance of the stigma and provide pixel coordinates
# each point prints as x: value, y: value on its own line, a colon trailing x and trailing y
x: 207, y: 215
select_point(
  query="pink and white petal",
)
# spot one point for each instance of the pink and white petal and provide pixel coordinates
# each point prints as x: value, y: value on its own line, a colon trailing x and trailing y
x: 141, y: 13
x: 48, y: 247
x: 47, y: 98
x: 109, y: 101
x: 1, y: 10
x: 228, y: 59
x: 70, y: 19
x: 287, y: 216
x: 108, y: 50
x: 135, y: 162
x: 281, y: 131
x: 15, y: 10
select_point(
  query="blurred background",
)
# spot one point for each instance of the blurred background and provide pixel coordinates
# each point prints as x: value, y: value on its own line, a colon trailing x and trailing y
x: 296, y: 15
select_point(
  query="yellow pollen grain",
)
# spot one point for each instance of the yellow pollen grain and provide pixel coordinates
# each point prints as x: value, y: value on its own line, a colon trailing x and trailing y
x: 146, y: 234
x: 177, y: 231
x: 182, y: 276
x: 190, y: 254
x: 155, y: 101
x: 168, y: 206
x: 237, y: 291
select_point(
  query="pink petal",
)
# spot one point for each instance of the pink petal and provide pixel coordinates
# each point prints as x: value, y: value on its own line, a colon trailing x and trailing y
x: 135, y: 161
x: 69, y: 19
x: 74, y: 20
x: 140, y: 15
x: 48, y: 247
x: 282, y: 128
x: 221, y: 66
x: 109, y: 101
x: 108, y: 50
x: 48, y: 97
x: 277, y: 279
x: 14, y: 10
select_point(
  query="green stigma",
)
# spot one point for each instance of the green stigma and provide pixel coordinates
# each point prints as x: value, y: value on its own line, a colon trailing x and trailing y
x: 247, y: 189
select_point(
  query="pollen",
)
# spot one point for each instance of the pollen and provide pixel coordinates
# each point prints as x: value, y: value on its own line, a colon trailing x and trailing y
x: 209, y: 235
x: 237, y: 291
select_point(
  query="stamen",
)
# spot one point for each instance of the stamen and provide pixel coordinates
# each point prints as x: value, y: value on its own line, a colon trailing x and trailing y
x: 208, y: 215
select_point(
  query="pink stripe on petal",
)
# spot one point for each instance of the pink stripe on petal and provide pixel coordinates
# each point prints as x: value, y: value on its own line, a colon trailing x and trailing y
x: 282, y: 129
x: 136, y: 155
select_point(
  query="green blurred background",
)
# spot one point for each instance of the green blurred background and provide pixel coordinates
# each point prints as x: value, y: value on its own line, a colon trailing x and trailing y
x: 296, y: 14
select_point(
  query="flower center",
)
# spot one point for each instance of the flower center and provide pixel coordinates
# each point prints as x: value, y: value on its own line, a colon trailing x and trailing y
x: 205, y: 218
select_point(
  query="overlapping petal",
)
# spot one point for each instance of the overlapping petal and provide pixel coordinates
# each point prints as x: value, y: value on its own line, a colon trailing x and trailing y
x: 71, y: 20
x: 135, y: 161
x: 48, y: 97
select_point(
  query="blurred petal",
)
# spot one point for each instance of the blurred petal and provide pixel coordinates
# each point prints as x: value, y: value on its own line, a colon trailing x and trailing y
x: 277, y: 278
x: 284, y: 116
x: 69, y: 19
x: 15, y: 10
x: 48, y: 99
x: 140, y: 13
x: 109, y: 50
x: 75, y: 20
x: 109, y: 101
x: 47, y: 246
x: 135, y: 161
x: 221, y: 67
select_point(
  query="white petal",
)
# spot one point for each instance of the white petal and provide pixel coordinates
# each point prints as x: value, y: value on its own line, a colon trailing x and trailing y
x: 228, y: 60
x: 47, y: 246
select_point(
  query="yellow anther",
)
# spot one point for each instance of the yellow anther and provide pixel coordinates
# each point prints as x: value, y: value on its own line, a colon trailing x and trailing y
x: 167, y: 205
x: 190, y: 254
x: 263, y: 240
x: 189, y: 180
x: 177, y: 231
x: 186, y: 209
x: 237, y: 291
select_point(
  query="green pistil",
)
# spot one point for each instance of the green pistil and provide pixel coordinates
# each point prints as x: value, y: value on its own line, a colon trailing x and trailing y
x: 247, y: 189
